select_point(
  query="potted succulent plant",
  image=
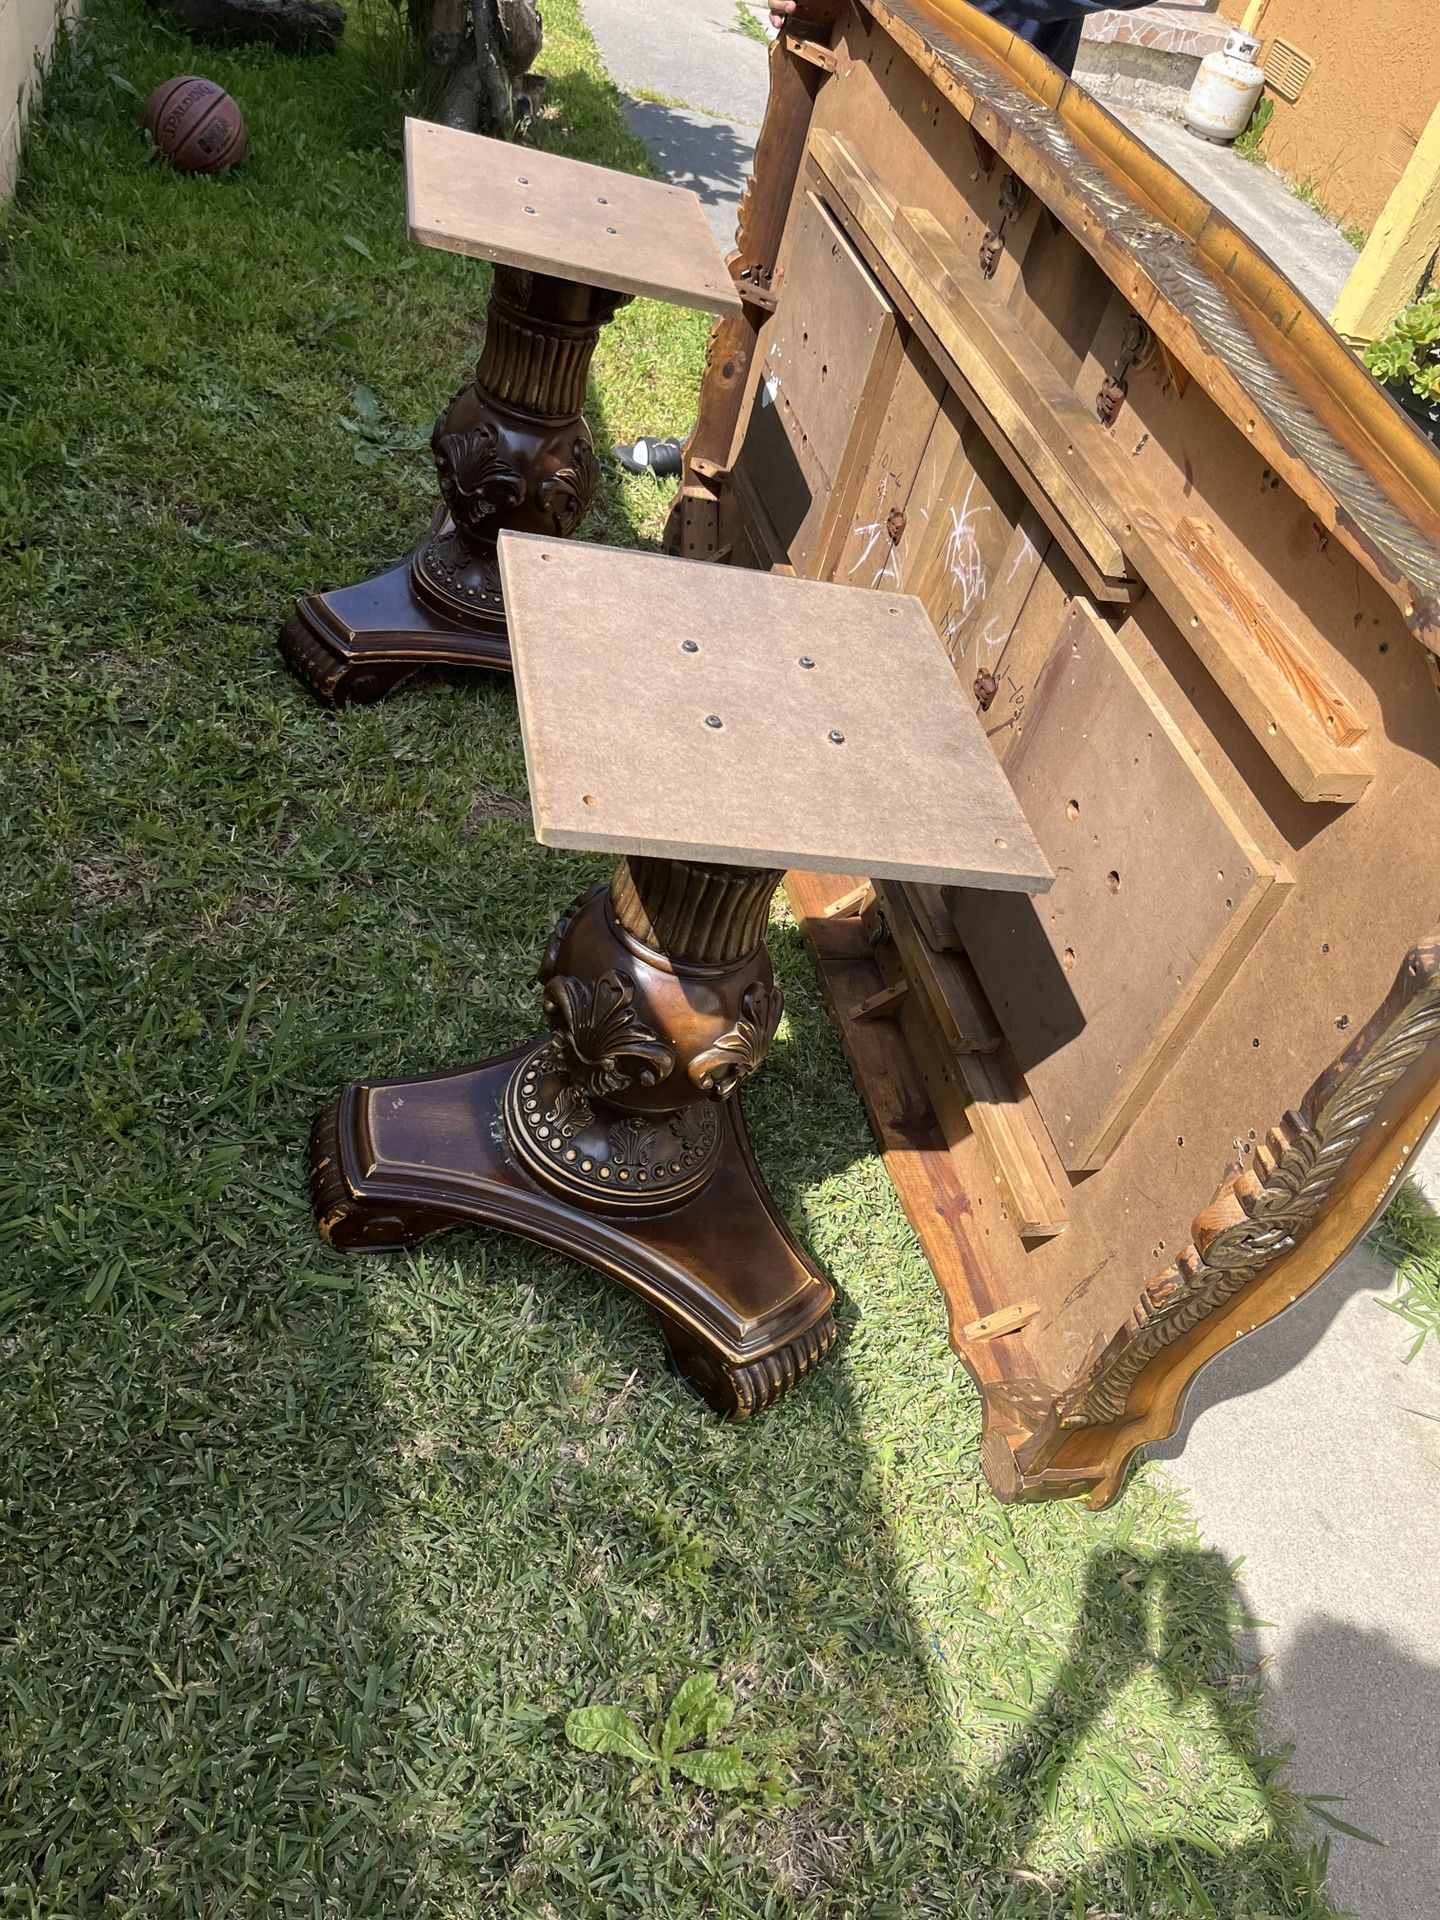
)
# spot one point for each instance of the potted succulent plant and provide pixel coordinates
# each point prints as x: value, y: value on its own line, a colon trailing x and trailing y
x: 1406, y: 360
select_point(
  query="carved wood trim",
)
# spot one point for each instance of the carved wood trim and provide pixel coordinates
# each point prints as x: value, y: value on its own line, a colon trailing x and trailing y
x: 1277, y: 1213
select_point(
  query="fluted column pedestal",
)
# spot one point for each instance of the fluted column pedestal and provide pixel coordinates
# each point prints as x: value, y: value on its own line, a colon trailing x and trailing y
x: 511, y: 450
x: 617, y: 1138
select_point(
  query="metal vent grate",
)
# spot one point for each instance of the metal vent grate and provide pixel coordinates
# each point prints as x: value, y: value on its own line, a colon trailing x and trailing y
x: 1287, y: 69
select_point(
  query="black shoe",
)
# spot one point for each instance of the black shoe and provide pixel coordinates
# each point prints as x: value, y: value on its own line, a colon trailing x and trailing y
x: 660, y: 457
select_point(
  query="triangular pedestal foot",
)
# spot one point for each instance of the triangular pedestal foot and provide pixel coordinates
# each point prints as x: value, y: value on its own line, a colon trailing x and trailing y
x: 743, y: 1310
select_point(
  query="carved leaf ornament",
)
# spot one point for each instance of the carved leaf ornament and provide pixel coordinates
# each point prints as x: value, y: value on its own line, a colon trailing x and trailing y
x: 736, y: 1055
x: 609, y: 1046
x: 565, y: 495
x: 1279, y: 1216
x: 476, y: 478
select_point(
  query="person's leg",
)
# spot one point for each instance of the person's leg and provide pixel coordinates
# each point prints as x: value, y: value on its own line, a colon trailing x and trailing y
x: 1052, y: 27
x: 1059, y: 42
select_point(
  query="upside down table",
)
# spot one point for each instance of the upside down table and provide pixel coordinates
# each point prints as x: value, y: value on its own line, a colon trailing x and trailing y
x: 714, y: 728
x: 571, y: 245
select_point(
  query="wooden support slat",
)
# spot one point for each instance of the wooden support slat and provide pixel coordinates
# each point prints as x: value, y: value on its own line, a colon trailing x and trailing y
x: 932, y: 915
x: 1022, y: 389
x: 853, y: 900
x: 1271, y: 636
x: 947, y: 980
x: 1213, y: 619
x: 916, y: 261
x: 1009, y: 1128
x: 882, y: 1005
x: 983, y: 1092
x: 902, y: 1115
x: 810, y: 51
x: 1007, y: 1320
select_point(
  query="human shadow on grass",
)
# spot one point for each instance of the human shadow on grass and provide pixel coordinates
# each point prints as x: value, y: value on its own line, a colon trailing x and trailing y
x: 1366, y: 1715
x: 309, y: 1560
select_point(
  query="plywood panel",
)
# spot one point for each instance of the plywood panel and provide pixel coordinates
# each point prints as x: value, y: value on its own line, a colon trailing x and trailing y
x: 1160, y: 893
x: 866, y: 551
x: 983, y: 1096
x: 526, y: 208
x: 823, y: 357
x: 1014, y: 383
x: 959, y: 551
x: 712, y: 713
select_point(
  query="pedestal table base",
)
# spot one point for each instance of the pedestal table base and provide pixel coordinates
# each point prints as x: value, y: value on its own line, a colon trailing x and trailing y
x: 743, y: 1311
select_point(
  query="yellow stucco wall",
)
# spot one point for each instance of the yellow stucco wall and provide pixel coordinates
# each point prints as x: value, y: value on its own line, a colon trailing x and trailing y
x: 27, y: 34
x: 1375, y: 84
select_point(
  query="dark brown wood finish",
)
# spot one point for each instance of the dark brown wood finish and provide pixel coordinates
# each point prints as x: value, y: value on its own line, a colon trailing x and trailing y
x: 511, y: 450
x: 616, y: 1139
x: 702, y: 750
x: 571, y: 244
x: 1095, y: 435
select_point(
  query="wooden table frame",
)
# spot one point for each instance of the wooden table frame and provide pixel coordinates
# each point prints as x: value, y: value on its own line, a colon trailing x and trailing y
x: 1175, y: 450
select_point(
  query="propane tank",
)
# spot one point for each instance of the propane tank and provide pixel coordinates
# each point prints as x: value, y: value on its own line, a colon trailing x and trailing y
x: 1226, y: 88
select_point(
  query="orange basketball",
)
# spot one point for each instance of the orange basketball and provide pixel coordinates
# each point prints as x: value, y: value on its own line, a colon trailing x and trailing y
x: 195, y: 124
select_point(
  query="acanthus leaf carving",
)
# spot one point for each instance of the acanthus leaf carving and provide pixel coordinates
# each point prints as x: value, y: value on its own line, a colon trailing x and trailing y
x: 607, y: 1044
x: 566, y: 494
x: 1277, y: 1216
x: 720, y: 1068
x: 477, y: 480
x: 568, y: 1109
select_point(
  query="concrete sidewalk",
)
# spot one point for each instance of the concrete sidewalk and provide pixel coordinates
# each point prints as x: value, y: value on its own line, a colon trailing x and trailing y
x: 693, y: 85
x: 1313, y: 255
x: 1310, y: 1454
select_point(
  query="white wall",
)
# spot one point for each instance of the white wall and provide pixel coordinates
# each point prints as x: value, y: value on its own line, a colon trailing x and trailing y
x: 27, y: 31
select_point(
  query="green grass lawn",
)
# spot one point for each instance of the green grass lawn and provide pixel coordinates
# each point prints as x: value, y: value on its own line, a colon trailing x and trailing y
x: 305, y: 1562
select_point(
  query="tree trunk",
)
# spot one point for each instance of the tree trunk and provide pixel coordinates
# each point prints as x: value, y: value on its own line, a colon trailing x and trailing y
x: 294, y: 26
x: 479, y: 53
